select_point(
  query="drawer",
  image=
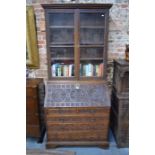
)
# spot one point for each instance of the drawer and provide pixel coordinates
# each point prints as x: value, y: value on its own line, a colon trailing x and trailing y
x: 77, y: 126
x: 83, y: 111
x: 78, y: 136
x: 31, y: 105
x: 76, y: 119
x: 32, y: 131
x: 32, y: 119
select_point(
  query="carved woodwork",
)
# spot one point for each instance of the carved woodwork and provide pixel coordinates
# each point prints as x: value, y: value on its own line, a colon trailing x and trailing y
x: 120, y: 103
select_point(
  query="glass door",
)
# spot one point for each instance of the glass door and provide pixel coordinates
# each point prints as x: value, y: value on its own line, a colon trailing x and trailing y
x: 92, y: 26
x: 61, y: 43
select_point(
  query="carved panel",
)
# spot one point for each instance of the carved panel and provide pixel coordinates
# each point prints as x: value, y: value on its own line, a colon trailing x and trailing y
x: 72, y: 95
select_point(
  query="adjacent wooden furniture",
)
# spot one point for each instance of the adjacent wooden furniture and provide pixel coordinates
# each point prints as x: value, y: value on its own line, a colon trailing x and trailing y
x: 120, y: 103
x: 77, y: 104
x: 35, y: 92
x: 77, y: 113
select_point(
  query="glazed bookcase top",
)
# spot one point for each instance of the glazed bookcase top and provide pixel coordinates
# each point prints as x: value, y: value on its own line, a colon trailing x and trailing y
x: 77, y: 37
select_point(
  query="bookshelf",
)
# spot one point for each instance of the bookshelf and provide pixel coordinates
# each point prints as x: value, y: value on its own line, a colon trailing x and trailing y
x: 77, y: 42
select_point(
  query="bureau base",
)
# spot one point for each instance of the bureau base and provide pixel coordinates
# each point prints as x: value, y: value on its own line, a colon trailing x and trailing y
x: 80, y: 126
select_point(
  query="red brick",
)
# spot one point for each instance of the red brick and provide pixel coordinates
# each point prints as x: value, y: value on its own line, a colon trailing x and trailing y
x: 41, y: 42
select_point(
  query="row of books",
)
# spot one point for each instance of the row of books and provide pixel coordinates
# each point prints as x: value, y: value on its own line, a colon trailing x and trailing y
x: 62, y: 70
x: 67, y: 70
x: 92, y: 69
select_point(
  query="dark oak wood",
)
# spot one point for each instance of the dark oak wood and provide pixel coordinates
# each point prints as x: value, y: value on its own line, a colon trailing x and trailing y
x: 35, y: 126
x: 120, y: 103
x: 75, y: 6
x: 77, y: 108
x: 55, y: 144
x: 121, y: 77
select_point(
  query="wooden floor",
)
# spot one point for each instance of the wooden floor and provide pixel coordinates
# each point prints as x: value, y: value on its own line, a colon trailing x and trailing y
x: 112, y: 150
x: 48, y: 152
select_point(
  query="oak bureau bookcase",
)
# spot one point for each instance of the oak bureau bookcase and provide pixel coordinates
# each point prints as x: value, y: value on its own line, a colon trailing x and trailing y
x: 77, y: 103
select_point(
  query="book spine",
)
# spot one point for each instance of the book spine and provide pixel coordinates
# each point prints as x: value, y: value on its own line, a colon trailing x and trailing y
x: 67, y: 70
x: 80, y: 69
x: 59, y: 70
x: 84, y: 70
x: 70, y: 70
x: 97, y: 70
x: 53, y: 70
x: 87, y: 70
x: 94, y: 70
x: 101, y: 68
x: 64, y: 70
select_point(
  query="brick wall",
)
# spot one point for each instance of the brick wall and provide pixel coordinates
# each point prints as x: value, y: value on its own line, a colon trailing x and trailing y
x: 118, y: 31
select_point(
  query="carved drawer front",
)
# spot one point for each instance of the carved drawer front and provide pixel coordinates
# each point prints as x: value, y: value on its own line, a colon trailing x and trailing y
x: 77, y: 115
x: 76, y: 119
x: 78, y: 110
x: 77, y: 127
x: 77, y: 135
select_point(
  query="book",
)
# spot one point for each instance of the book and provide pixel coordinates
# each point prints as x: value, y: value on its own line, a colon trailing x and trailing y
x: 59, y: 70
x: 89, y: 70
x: 81, y: 70
x: 53, y: 70
x: 101, y: 69
x: 84, y: 70
x: 70, y: 70
x: 65, y: 70
x: 94, y: 70
x: 97, y: 70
